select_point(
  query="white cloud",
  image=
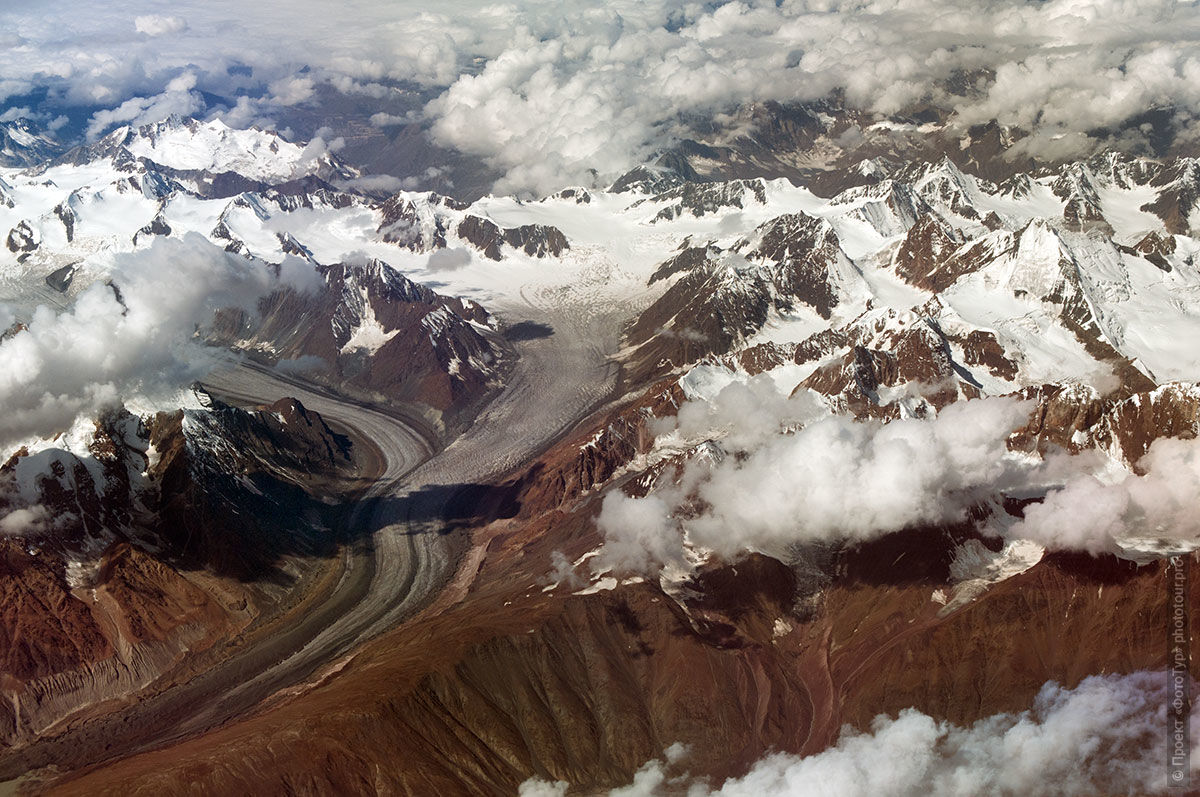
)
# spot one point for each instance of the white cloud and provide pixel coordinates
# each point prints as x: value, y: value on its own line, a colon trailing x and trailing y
x: 318, y: 147
x: 386, y: 183
x: 158, y: 25
x: 599, y: 96
x: 291, y: 90
x: 25, y: 521
x: 52, y: 123
x: 745, y: 414
x: 546, y: 92
x: 542, y: 788
x: 1158, y: 506
x: 416, y: 182
x: 134, y: 340
x: 382, y: 119
x: 1106, y: 736
x: 639, y: 533
x: 793, y: 473
x: 147, y: 110
x: 246, y: 113
x: 15, y: 113
x: 833, y: 479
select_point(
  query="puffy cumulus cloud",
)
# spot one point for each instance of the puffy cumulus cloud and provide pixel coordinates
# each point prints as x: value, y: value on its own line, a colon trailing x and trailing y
x: 554, y: 93
x: 604, y: 94
x: 1157, y: 506
x: 562, y: 572
x: 415, y: 182
x: 104, y: 55
x: 833, y: 479
x: 542, y: 788
x: 130, y: 333
x: 639, y: 533
x: 745, y: 414
x: 247, y: 113
x: 25, y: 521
x: 1105, y: 736
x: 382, y: 119
x: 321, y: 144
x: 18, y: 112
x: 647, y: 781
x: 291, y: 90
x: 783, y: 471
x: 159, y: 25
x: 178, y: 99
x: 375, y: 183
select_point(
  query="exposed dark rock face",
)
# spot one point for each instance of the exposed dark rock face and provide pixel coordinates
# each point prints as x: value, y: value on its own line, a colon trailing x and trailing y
x: 536, y: 240
x: 648, y: 180
x: 926, y: 251
x: 203, y: 490
x: 483, y: 234
x: 706, y: 311
x: 403, y: 224
x: 700, y: 199
x: 423, y: 226
x: 918, y: 356
x: 581, y: 196
x: 376, y: 334
x: 981, y: 348
x: 794, y: 260
x: 1178, y: 196
x: 690, y: 258
x: 1073, y: 418
x: 67, y: 217
x: 97, y: 597
x: 1156, y: 248
x: 60, y: 278
x: 22, y: 238
x: 157, y: 226
x: 805, y: 252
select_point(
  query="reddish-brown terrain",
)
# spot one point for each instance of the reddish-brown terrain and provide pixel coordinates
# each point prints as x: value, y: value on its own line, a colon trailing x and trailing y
x: 152, y: 572
x: 504, y: 678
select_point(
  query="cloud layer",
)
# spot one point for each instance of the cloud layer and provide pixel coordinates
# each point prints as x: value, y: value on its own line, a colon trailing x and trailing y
x: 1157, y: 505
x: 1106, y: 736
x: 794, y: 474
x: 128, y: 334
x: 834, y: 479
x: 548, y: 92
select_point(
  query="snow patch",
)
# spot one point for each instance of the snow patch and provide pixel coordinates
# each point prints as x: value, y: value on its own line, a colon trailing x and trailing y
x: 976, y: 568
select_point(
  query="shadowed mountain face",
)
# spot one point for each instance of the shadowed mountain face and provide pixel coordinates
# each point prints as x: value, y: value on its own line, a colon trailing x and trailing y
x: 154, y: 541
x: 371, y: 333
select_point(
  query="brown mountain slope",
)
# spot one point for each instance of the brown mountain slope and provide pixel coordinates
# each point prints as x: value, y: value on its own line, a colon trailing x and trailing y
x: 505, y: 678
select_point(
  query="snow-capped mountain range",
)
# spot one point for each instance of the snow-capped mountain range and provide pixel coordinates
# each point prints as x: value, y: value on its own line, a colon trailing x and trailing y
x: 1107, y: 241
x: 908, y: 288
x: 1083, y: 272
